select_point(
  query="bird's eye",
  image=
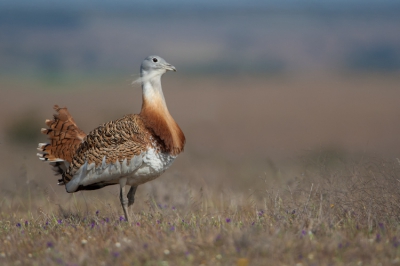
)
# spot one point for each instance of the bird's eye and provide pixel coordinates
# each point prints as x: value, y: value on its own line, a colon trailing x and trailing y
x: 155, y: 60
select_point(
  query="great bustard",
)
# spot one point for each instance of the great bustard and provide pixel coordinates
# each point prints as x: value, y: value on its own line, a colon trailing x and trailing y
x: 132, y: 150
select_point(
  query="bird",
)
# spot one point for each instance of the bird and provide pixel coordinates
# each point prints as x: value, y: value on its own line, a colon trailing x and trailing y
x: 128, y: 151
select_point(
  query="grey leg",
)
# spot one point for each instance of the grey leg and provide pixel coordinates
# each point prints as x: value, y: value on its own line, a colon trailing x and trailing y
x: 124, y: 201
x: 131, y: 195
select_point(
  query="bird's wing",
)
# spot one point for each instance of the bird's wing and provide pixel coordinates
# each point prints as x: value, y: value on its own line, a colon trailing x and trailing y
x: 110, y: 151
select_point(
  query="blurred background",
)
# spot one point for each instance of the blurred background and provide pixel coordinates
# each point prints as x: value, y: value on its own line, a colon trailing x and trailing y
x: 259, y: 85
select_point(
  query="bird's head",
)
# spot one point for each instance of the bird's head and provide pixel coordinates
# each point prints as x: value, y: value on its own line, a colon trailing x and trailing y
x: 154, y: 65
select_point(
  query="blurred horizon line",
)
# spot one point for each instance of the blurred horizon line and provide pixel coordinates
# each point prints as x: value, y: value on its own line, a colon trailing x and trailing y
x: 152, y: 5
x: 51, y: 41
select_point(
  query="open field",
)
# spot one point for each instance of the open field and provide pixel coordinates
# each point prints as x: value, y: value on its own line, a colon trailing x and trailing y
x: 338, y: 212
x: 277, y: 170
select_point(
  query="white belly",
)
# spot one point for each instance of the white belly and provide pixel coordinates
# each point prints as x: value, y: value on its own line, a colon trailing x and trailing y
x: 153, y: 165
x: 139, y: 170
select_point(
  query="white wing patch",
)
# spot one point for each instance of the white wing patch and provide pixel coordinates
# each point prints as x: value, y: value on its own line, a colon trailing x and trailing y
x: 142, y: 168
x: 110, y: 173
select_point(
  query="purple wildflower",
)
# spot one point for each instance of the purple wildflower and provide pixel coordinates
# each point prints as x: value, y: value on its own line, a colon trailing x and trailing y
x: 107, y: 220
x: 172, y: 228
x: 381, y: 226
x: 26, y: 223
x: 115, y: 254
x: 92, y: 225
x: 18, y: 225
x: 173, y: 207
x: 303, y: 232
x: 261, y: 213
x: 50, y: 244
x: 97, y: 213
x: 121, y: 218
x: 158, y: 222
x: 378, y: 237
x: 253, y: 223
x: 47, y: 222
x: 396, y: 243
x: 59, y: 221
x: 138, y: 224
x: 228, y: 220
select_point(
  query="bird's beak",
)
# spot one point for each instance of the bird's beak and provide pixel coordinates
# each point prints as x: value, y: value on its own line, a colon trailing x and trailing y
x: 170, y: 67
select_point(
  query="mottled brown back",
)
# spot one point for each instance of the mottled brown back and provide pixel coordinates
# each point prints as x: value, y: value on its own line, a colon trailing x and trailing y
x: 115, y: 140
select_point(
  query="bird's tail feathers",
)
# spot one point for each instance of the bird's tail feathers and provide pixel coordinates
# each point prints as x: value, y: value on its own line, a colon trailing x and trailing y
x: 64, y: 139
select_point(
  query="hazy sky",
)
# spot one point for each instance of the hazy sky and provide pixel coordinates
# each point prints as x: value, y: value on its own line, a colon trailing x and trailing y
x: 58, y: 35
x: 194, y: 3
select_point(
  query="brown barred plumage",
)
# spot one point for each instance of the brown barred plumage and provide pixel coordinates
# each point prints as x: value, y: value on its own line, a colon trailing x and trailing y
x: 117, y: 140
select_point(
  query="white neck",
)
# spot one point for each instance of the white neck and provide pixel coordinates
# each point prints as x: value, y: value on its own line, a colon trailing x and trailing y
x: 152, y: 89
x: 156, y: 116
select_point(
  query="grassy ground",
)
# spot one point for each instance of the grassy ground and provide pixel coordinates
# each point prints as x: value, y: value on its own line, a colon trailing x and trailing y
x: 337, y: 211
x: 266, y: 177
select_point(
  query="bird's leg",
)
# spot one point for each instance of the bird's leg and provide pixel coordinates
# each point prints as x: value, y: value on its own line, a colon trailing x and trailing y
x: 131, y: 195
x: 124, y: 201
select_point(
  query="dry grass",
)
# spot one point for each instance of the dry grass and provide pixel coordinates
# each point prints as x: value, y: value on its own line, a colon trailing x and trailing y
x: 233, y: 197
x: 337, y: 211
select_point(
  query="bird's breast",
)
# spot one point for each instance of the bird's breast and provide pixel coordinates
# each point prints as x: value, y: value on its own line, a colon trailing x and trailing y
x: 154, y: 163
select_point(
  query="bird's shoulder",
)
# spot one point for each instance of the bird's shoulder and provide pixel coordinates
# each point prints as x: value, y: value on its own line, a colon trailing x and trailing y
x: 128, y: 128
x: 118, y: 139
